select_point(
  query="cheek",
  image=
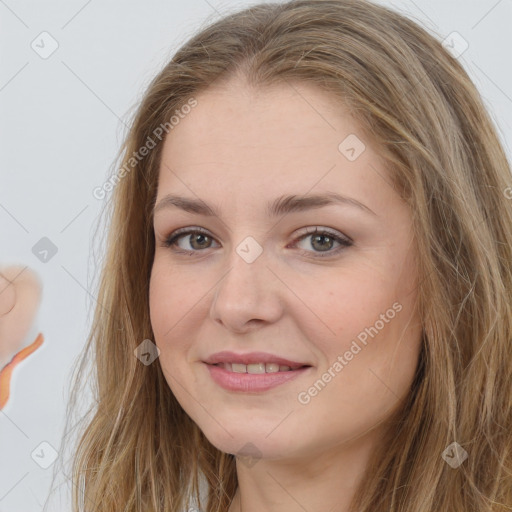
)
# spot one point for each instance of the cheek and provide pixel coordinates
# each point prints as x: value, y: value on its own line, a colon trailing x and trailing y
x: 169, y: 302
x: 178, y: 306
x: 168, y: 307
x: 173, y: 291
x: 365, y: 316
x: 160, y: 301
x: 347, y: 302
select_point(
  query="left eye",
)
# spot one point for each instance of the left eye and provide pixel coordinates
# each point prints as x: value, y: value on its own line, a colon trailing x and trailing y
x: 320, y: 239
x: 323, y: 240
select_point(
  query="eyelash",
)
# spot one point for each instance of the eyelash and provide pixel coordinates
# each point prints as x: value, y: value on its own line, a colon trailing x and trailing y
x: 344, y: 241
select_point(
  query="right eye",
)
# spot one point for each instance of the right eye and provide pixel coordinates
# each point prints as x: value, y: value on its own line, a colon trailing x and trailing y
x: 199, y: 237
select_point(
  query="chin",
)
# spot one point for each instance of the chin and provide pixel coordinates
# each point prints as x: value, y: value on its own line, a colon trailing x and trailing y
x: 248, y: 442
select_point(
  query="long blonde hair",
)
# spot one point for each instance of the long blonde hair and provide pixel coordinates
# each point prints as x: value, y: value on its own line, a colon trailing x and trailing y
x: 141, y: 452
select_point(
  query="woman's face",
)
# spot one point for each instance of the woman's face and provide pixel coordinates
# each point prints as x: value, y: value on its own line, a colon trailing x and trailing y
x: 258, y: 281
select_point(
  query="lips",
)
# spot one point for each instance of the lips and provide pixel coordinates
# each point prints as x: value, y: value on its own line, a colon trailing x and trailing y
x: 250, y: 382
x: 253, y: 358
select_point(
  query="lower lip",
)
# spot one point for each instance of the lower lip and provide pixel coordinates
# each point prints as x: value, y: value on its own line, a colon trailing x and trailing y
x: 247, y: 382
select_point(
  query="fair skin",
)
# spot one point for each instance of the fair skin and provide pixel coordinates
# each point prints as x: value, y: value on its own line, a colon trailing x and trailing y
x: 237, y: 150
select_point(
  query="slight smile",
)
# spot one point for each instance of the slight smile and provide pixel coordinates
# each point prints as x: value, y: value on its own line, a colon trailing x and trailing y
x: 252, y: 372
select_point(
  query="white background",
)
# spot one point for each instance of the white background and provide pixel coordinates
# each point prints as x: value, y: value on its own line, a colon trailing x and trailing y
x: 62, y: 120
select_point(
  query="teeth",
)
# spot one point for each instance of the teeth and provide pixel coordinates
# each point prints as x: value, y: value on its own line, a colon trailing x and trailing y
x: 238, y: 368
x: 254, y: 367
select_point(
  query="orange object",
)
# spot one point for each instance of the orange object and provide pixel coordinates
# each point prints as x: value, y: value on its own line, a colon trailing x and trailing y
x: 6, y: 372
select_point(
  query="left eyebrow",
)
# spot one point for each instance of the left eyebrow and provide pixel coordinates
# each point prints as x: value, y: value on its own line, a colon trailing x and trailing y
x: 281, y: 205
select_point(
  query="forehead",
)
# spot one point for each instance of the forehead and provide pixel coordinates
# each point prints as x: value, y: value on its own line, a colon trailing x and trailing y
x: 276, y: 117
x: 288, y: 138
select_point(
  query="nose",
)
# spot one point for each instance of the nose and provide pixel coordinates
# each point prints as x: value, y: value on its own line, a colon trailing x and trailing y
x: 249, y: 295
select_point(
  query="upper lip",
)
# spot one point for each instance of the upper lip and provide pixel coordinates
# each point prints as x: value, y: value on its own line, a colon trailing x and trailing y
x: 251, y: 357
